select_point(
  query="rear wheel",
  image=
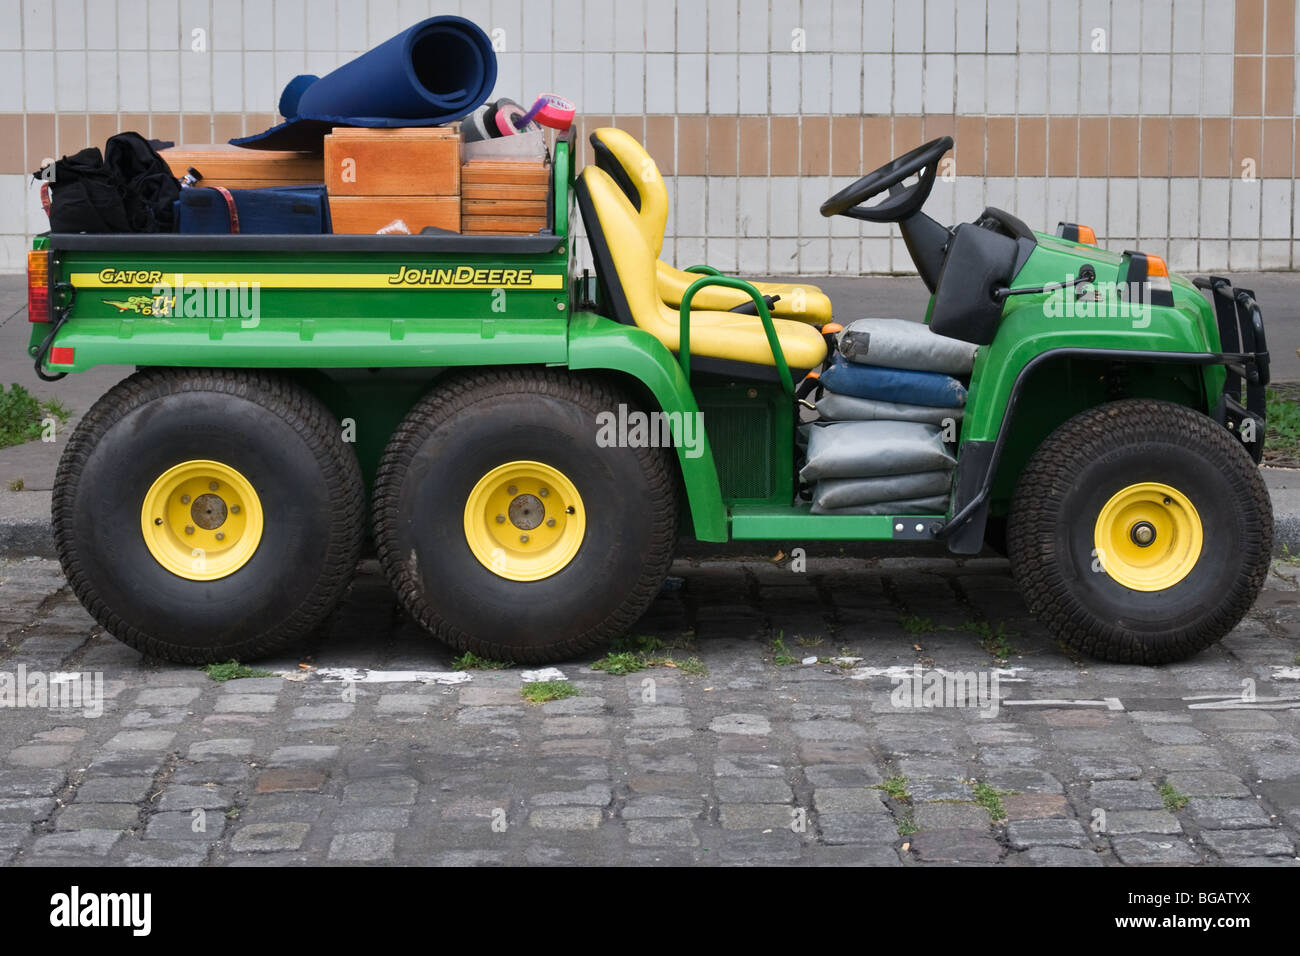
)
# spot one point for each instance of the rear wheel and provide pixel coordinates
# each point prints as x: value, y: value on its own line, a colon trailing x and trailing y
x: 1140, y: 532
x: 508, y: 531
x: 203, y: 515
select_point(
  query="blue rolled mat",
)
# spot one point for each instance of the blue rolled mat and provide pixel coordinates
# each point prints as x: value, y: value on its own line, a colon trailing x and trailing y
x: 437, y: 71
x: 893, y: 384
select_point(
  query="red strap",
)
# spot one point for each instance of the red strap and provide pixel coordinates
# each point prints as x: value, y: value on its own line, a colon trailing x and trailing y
x: 230, y: 203
x: 45, y: 198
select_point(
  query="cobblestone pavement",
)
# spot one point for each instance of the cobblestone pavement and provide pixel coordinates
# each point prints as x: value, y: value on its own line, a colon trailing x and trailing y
x: 765, y: 758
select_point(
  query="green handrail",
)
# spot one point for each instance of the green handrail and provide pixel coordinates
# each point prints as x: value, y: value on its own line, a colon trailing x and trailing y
x: 764, y: 315
x: 704, y: 270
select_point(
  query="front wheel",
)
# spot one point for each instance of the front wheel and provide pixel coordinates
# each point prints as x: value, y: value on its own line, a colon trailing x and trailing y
x: 1140, y: 532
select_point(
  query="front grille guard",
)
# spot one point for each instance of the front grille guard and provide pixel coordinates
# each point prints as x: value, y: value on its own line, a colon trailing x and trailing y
x: 1241, y: 331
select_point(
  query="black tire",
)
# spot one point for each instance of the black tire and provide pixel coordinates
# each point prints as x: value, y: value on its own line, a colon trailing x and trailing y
x: 460, y: 432
x: 1062, y: 492
x: 278, y: 436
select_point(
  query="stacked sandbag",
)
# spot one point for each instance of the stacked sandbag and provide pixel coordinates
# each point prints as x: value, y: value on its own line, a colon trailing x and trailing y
x: 889, y: 399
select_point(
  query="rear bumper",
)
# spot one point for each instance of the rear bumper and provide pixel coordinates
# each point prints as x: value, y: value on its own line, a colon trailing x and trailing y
x: 1241, y: 335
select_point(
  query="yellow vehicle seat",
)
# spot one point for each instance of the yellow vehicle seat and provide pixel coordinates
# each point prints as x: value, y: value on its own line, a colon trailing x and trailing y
x: 625, y: 265
x: 634, y: 170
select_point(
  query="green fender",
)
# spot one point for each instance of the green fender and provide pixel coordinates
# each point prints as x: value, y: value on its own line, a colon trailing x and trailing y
x: 598, y: 343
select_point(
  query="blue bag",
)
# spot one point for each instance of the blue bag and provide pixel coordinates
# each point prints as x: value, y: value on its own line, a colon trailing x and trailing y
x: 893, y: 384
x: 274, y: 210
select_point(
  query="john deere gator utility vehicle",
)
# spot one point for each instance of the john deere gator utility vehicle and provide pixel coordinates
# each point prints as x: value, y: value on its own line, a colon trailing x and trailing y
x: 465, y: 398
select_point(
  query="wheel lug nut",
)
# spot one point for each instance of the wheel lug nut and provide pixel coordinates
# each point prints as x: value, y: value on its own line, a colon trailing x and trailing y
x: 501, y: 519
x: 213, y: 486
x: 221, y: 536
x: 234, y: 509
x: 157, y: 520
x: 543, y: 493
x: 550, y: 522
x: 189, y: 529
x: 511, y: 490
x: 523, y: 538
x: 185, y: 499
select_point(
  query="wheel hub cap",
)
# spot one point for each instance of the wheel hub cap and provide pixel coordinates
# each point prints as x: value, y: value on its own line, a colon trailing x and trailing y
x: 1148, y: 536
x: 201, y: 520
x: 524, y: 521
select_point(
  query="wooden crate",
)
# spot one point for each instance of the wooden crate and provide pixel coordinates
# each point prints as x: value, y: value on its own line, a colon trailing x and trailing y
x: 369, y: 214
x: 224, y: 165
x: 524, y: 208
x: 506, y: 172
x: 478, y: 225
x: 469, y: 190
x: 393, y: 162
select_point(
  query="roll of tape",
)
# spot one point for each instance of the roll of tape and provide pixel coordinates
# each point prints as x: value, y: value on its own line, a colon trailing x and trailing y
x: 554, y: 111
x: 509, y: 115
x: 473, y: 128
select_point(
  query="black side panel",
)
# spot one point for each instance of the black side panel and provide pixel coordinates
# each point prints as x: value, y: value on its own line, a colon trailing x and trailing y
x: 977, y: 261
x: 127, y: 243
x: 973, y: 472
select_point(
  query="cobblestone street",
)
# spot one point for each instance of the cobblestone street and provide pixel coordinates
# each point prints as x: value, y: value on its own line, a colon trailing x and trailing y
x: 784, y: 743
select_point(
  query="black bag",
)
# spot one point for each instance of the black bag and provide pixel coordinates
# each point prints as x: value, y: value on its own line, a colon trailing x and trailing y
x: 129, y: 188
x: 149, y: 190
x: 85, y: 196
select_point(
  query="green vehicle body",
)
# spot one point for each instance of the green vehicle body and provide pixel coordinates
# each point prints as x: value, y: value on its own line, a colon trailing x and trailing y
x: 343, y: 318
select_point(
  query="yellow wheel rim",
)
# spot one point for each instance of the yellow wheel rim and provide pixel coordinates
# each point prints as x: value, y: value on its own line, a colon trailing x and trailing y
x: 1148, y: 536
x: 524, y: 521
x: 201, y: 520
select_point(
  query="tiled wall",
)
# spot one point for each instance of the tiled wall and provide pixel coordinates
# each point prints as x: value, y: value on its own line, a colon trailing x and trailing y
x: 1169, y: 124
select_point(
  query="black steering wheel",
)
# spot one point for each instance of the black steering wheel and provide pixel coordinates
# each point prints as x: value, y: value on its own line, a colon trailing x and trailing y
x: 902, y: 202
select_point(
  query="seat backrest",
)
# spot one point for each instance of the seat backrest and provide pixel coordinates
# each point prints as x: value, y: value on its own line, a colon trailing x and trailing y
x: 635, y: 172
x: 625, y: 262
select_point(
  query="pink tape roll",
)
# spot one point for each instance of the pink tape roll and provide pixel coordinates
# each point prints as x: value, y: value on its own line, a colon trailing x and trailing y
x: 507, y: 113
x: 556, y: 112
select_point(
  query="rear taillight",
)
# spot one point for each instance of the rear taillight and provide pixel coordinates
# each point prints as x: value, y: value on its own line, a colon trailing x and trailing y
x: 38, y: 285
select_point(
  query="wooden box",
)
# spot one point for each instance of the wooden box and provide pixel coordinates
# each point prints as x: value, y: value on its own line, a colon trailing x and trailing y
x: 393, y: 162
x: 369, y: 214
x: 235, y: 168
x: 503, y: 196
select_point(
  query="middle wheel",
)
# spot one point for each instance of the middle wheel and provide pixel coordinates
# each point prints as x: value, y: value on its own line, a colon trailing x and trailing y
x: 507, y: 530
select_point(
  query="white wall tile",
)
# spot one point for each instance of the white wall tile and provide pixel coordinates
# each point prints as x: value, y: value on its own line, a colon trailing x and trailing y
x: 751, y: 258
x: 1187, y: 20
x: 1153, y: 208
x: 908, y: 84
x: 1216, y: 85
x: 1094, y: 84
x: 846, y: 31
x: 784, y: 82
x: 1125, y: 27
x: 566, y: 35
x: 38, y: 26
x: 909, y: 26
x: 724, y: 26
x: 1063, y: 27
x: 196, y: 82
x: 1121, y: 218
x: 383, y: 22
x: 660, y: 81
x: 785, y: 205
x: 1214, y: 208
x: 940, y: 26
x: 1125, y: 88
x: 1243, y: 255
x: 721, y: 217
x: 971, y: 20
x: 1156, y: 27
x: 164, y: 81
x: 724, y: 96
x: 11, y: 12
x: 1092, y: 204
x: 692, y: 30
x: 815, y: 84
x: 877, y: 80
x: 1213, y: 255
x: 1031, y: 71
x: 1185, y: 98
x: 70, y: 24
x: 970, y: 84
x: 70, y: 81
x: 816, y: 22
x: 1244, y: 212
x: 227, y: 82
x: 38, y: 65
x: 1032, y: 34
x: 1274, y: 254
x: 629, y: 25
x: 1275, y: 197
x: 878, y: 26
x: 752, y: 80
x: 1154, y: 98
x: 752, y: 206
x: 754, y: 35
x: 132, y: 82
x: 536, y: 79
x: 598, y: 82
x: 260, y: 92
x: 846, y: 83
x: 690, y: 196
x: 566, y: 78
x: 1001, y: 92
x: 938, y: 79
x: 691, y: 88
x: 1063, y: 84
x: 11, y: 90
x: 1184, y: 207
